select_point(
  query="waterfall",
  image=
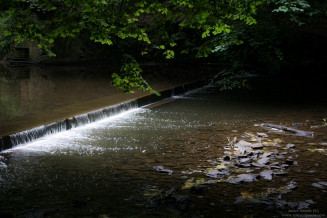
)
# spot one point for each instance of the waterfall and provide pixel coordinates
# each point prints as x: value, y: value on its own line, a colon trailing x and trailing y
x: 7, y: 142
x: 63, y: 125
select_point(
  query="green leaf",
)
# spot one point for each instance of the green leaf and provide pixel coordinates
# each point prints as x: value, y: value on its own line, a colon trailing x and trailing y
x: 51, y: 41
x: 162, y: 46
x: 6, y: 33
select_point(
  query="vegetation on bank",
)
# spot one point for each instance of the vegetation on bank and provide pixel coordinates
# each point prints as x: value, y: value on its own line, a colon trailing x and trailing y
x: 268, y: 36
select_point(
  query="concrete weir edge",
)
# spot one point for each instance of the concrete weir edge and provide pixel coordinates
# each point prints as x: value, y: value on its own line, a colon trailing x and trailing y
x: 29, y: 135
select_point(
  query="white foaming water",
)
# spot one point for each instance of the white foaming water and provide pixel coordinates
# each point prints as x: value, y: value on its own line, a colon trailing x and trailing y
x: 68, y: 142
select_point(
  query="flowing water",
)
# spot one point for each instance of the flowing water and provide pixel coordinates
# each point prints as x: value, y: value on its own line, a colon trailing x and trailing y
x: 93, y: 170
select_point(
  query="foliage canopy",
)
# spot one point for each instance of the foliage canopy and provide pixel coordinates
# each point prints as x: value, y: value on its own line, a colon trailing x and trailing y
x: 228, y: 29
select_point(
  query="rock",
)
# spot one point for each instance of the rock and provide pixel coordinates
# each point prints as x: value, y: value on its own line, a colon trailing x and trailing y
x: 267, y: 174
x: 243, y: 143
x: 3, y: 166
x: 317, y: 185
x: 161, y: 169
x: 257, y: 165
x: 263, y: 161
x: 244, y: 149
x: 245, y: 160
x: 262, y: 135
x: 303, y: 205
x: 310, y: 201
x: 323, y: 183
x: 257, y: 146
x: 243, y: 178
x: 217, y: 174
x: 293, y: 205
x: 288, y: 146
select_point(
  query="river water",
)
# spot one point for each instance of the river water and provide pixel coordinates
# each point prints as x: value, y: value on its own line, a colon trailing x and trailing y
x: 107, y: 169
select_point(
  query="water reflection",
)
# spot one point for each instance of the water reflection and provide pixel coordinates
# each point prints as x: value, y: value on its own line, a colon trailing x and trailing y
x: 105, y: 163
x: 30, y: 90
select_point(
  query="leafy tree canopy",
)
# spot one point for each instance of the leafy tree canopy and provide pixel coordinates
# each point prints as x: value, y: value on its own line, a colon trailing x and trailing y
x: 198, y: 28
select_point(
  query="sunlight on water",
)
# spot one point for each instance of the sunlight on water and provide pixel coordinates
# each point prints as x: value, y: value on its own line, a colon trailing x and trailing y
x: 112, y: 159
x: 69, y: 142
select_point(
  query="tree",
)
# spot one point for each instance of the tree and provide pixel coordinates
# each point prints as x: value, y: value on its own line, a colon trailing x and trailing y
x: 200, y: 28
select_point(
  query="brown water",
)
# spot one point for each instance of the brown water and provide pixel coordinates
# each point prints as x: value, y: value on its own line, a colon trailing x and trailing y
x: 111, y: 160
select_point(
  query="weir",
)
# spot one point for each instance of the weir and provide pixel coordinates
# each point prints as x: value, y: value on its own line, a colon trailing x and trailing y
x: 23, y: 137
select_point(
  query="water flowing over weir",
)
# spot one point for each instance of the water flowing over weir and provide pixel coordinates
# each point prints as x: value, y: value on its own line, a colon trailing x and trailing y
x: 10, y: 141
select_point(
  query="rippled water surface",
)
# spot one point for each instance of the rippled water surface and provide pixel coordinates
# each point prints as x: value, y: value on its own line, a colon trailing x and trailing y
x: 105, y: 163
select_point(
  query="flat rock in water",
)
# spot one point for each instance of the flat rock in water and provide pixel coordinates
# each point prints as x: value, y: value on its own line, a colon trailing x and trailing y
x: 267, y: 174
x: 293, y: 205
x: 263, y: 161
x: 280, y: 173
x: 238, y: 200
x: 257, y: 146
x: 255, y: 201
x: 161, y: 169
x: 281, y: 202
x: 244, y: 149
x: 262, y: 135
x: 3, y: 165
x: 274, y: 164
x: 268, y: 154
x: 303, y: 205
x: 310, y: 201
x: 245, y: 160
x: 290, y: 146
x: 243, y: 143
x: 323, y: 183
x: 243, y: 178
x: 217, y: 174
x: 257, y: 165
x: 317, y: 185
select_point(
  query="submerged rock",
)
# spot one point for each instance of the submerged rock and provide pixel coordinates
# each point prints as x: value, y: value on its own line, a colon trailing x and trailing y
x: 199, y: 189
x: 3, y: 166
